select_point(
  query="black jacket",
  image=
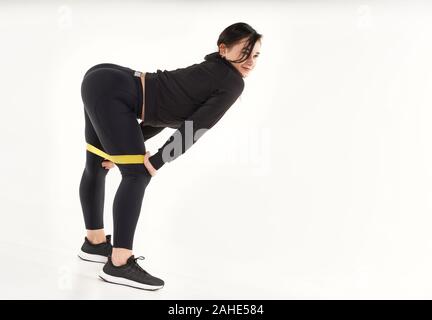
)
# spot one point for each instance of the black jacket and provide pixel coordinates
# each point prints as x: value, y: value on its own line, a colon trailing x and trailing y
x: 200, y: 93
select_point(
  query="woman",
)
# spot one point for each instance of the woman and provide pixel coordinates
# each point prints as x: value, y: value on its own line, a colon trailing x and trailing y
x: 190, y: 99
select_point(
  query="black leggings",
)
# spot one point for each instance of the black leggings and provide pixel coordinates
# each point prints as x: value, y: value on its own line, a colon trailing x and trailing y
x: 112, y: 98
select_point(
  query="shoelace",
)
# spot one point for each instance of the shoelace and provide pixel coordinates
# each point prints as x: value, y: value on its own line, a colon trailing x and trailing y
x: 136, y: 262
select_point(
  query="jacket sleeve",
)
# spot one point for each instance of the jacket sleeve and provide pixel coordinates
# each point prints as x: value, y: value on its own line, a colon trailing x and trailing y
x: 203, y: 119
x: 149, y: 131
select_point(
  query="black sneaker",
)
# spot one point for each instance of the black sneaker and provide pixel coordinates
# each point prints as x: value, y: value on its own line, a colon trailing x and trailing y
x: 131, y: 274
x: 96, y: 252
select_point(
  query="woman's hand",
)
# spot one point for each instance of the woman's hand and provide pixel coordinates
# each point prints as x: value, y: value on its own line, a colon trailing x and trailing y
x: 148, y: 165
x: 108, y: 164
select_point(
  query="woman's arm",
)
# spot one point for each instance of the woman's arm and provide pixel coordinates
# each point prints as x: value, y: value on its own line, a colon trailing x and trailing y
x: 205, y: 117
x: 149, y: 132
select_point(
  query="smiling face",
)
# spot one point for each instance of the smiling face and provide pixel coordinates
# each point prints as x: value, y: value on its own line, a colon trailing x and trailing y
x: 235, y: 53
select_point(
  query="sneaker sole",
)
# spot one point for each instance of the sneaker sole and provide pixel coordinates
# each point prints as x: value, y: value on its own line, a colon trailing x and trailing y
x: 125, y: 282
x: 92, y: 257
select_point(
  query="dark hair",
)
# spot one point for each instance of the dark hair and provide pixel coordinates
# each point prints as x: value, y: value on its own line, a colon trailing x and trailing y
x: 236, y: 32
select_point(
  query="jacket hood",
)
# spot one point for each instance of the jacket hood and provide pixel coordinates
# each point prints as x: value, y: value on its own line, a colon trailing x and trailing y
x: 215, y: 56
x: 212, y: 56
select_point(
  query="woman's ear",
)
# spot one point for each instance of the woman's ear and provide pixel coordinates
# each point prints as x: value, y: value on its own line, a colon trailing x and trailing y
x: 222, y: 49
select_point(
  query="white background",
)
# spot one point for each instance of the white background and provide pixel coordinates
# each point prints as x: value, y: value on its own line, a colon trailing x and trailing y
x: 316, y: 184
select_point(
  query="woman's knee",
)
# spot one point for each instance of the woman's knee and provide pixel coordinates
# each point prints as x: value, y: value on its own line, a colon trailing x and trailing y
x: 135, y: 171
x: 94, y: 165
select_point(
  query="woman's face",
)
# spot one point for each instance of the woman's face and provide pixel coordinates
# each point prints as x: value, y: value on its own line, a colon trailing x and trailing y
x: 235, y: 53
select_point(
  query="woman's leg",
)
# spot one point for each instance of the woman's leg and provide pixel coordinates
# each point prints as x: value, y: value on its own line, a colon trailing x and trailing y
x: 92, y: 188
x: 110, y: 101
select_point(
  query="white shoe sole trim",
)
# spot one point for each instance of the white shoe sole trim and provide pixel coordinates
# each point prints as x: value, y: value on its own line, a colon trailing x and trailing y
x: 127, y: 282
x: 92, y: 257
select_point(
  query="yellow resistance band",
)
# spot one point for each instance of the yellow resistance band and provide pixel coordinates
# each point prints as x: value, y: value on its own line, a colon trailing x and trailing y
x: 123, y: 159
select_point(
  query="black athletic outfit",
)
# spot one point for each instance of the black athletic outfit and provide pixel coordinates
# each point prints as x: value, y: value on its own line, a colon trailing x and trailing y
x: 113, y: 97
